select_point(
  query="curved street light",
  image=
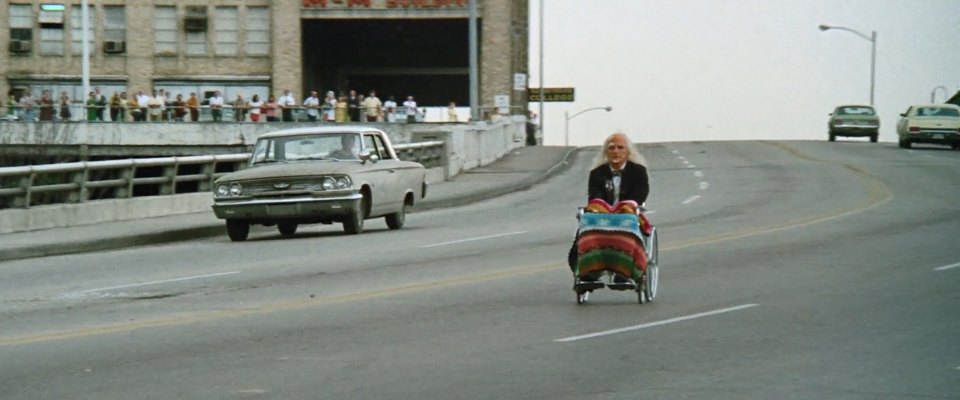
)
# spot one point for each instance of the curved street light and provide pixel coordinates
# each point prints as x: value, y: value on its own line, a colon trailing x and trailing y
x: 568, y: 117
x: 934, y: 92
x: 873, y: 52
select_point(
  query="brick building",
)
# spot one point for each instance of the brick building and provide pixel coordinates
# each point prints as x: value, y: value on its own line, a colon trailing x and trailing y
x: 399, y: 47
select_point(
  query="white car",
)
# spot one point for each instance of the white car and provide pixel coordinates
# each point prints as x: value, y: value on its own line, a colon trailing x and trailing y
x: 930, y: 123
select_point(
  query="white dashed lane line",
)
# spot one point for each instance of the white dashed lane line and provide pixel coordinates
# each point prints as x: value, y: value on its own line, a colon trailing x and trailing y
x: 703, y: 184
x: 946, y: 267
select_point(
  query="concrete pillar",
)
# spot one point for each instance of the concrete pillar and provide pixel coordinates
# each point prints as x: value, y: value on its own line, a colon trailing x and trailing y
x: 287, y: 69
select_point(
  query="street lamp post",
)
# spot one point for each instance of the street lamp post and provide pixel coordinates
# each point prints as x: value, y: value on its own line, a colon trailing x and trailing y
x: 934, y: 92
x: 568, y: 117
x: 873, y: 51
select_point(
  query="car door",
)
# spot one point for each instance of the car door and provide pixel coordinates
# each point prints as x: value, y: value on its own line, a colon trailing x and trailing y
x: 902, y: 123
x: 387, y: 197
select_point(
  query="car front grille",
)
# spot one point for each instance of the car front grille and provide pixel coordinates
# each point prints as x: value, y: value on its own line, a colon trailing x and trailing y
x: 282, y: 185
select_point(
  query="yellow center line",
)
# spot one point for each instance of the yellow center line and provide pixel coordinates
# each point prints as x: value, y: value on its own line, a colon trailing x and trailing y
x: 879, y: 194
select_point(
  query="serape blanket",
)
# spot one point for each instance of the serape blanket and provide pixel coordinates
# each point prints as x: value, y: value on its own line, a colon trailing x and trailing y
x: 610, y: 240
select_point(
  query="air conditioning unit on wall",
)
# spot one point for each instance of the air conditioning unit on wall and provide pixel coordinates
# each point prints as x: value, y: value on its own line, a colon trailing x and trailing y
x: 20, y: 46
x: 114, y: 47
x: 195, y: 24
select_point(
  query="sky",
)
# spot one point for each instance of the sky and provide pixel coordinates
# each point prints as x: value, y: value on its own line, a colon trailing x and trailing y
x: 688, y: 70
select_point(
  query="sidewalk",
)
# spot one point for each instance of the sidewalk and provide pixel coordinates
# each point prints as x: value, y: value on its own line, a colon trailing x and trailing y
x: 519, y: 169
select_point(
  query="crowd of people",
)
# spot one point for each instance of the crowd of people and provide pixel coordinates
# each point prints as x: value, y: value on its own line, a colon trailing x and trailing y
x: 161, y: 105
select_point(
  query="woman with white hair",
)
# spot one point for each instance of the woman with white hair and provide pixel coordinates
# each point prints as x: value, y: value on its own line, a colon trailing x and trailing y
x: 619, y: 174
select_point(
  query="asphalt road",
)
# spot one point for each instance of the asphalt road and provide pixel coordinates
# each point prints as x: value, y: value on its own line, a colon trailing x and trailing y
x: 796, y: 270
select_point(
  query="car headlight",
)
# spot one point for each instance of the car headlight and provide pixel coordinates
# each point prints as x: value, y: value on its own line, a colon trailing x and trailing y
x: 328, y: 183
x: 222, y: 190
x: 343, y: 182
x: 236, y: 189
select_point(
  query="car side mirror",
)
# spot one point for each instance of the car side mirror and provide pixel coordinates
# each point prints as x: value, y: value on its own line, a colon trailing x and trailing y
x: 367, y: 156
x: 903, y: 114
x: 831, y: 114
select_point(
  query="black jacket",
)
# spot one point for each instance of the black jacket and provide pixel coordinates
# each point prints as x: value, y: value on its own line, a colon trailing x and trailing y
x: 634, y: 184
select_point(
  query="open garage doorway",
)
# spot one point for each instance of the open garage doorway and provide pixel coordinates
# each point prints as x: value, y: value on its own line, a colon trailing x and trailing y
x: 425, y: 58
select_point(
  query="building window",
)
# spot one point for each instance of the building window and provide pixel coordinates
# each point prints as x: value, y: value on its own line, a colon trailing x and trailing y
x: 76, y: 28
x: 115, y: 29
x: 165, y: 30
x: 21, y: 28
x: 195, y: 24
x: 51, y: 29
x: 258, y: 31
x: 227, y: 27
x: 51, y: 41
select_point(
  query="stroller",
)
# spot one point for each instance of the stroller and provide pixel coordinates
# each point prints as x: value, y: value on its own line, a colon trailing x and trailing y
x: 616, y: 249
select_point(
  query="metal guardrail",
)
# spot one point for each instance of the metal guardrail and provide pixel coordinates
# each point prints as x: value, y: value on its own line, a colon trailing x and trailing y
x: 74, y: 182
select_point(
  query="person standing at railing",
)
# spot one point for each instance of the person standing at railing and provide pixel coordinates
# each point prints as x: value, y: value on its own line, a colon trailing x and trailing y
x: 411, y: 108
x: 330, y: 107
x: 239, y: 109
x: 64, y: 107
x: 312, y: 104
x: 46, y: 106
x: 133, y: 109
x: 216, y: 106
x: 286, y: 104
x: 390, y: 108
x: 92, y: 107
x: 27, y: 107
x: 353, y: 104
x: 143, y: 104
x: 155, y: 104
x: 255, y: 105
x: 179, y: 108
x: 342, y: 110
x: 452, y: 112
x: 193, y: 104
x: 373, y: 107
x: 101, y: 103
x: 116, y: 106
x: 270, y: 109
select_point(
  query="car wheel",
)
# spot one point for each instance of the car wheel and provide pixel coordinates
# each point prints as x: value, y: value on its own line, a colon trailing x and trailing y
x: 907, y: 144
x: 238, y: 230
x: 287, y: 229
x: 396, y: 220
x: 833, y: 138
x: 874, y: 137
x: 354, y: 223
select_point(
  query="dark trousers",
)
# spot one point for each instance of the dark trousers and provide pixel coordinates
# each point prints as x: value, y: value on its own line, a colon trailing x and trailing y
x: 287, y: 115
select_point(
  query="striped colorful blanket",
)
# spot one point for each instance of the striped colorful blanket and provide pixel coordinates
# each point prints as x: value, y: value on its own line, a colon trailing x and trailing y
x: 610, y: 240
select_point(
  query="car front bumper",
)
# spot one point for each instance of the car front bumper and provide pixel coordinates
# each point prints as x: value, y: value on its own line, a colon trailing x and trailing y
x: 290, y: 208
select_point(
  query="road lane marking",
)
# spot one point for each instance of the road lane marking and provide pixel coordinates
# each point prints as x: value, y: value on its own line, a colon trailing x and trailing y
x: 656, y: 323
x: 291, y: 305
x: 704, y: 185
x: 691, y: 199
x: 691, y: 166
x: 946, y: 267
x: 186, y: 278
x: 698, y: 174
x: 473, y: 239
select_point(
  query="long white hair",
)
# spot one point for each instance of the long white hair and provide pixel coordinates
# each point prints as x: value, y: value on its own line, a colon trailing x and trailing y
x: 633, y: 155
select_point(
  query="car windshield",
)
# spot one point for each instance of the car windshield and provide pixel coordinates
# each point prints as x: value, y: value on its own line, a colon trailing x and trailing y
x: 327, y: 146
x: 937, y: 112
x: 855, y: 110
